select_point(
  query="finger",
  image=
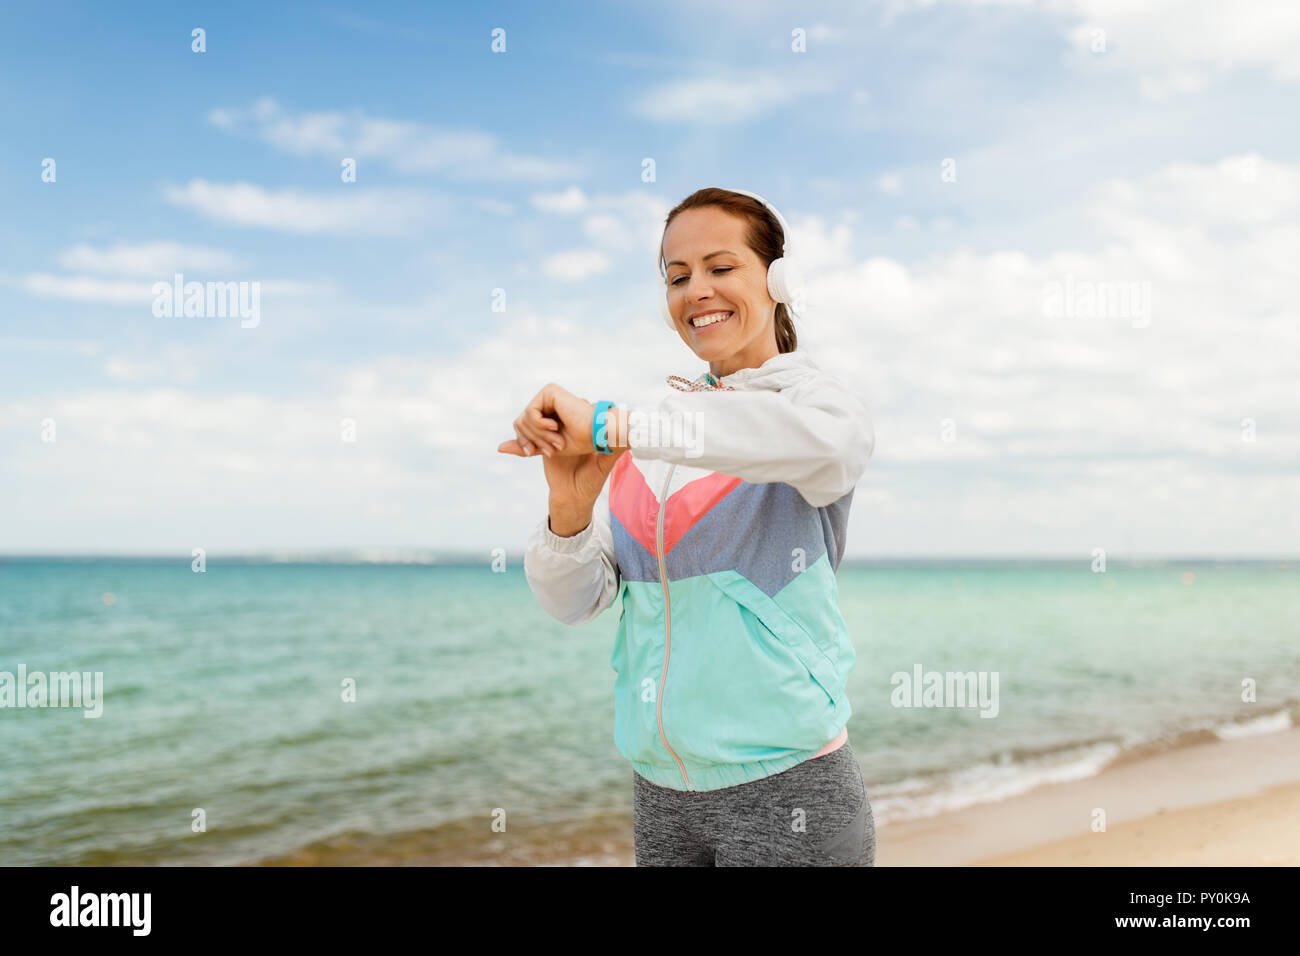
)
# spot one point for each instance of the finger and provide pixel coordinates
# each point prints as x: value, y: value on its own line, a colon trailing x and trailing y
x: 533, y: 441
x: 541, y: 423
x: 526, y: 436
x: 534, y: 434
x: 542, y: 407
x: 511, y: 447
x: 542, y: 426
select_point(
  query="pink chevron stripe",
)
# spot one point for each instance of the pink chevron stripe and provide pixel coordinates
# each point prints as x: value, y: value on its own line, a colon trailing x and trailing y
x: 632, y: 502
x: 688, y: 505
x: 636, y: 506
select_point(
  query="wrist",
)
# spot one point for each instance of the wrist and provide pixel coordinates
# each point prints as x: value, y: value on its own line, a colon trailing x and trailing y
x: 567, y: 518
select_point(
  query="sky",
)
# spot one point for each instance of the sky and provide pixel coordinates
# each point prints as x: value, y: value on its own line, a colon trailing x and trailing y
x: 1053, y: 247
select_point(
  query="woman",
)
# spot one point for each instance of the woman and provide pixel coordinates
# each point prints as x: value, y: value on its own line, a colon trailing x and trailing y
x: 721, y: 532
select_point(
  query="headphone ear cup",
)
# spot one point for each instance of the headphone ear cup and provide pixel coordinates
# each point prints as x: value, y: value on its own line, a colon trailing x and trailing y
x: 776, y: 280
x: 785, y: 282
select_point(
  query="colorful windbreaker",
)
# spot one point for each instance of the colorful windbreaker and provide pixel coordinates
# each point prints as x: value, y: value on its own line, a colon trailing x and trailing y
x: 719, y: 532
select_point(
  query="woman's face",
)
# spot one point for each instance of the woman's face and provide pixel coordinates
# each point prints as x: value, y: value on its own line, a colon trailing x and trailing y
x: 712, y: 270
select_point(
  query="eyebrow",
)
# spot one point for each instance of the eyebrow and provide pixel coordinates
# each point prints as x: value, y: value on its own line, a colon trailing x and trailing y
x: 720, y: 252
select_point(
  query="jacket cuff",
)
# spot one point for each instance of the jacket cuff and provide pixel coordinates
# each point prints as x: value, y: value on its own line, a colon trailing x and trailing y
x: 568, y: 545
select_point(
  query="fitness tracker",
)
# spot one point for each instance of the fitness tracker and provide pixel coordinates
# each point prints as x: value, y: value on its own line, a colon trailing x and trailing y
x: 598, y: 438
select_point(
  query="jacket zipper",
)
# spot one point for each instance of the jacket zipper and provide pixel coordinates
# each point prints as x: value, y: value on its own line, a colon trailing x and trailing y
x: 668, y: 628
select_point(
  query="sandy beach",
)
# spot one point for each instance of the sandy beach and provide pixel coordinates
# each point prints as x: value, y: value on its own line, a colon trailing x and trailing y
x: 1223, y: 803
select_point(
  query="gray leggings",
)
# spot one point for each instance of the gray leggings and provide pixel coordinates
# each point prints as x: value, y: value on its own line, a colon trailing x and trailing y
x: 815, y: 814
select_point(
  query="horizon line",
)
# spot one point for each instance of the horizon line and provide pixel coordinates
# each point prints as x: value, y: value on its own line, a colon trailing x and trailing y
x: 431, y: 556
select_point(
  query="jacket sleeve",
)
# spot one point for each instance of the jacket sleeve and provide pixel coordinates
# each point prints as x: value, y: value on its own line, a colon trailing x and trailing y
x: 816, y: 436
x: 574, y: 579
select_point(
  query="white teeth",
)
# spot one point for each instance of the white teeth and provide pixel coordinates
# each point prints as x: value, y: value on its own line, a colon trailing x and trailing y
x: 710, y: 319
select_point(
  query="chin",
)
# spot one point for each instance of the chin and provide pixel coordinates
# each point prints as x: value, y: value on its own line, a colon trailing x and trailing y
x: 714, y: 352
x: 716, y: 347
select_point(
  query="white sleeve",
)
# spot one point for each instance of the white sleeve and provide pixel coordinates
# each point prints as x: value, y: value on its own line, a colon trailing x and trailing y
x: 575, y: 578
x: 816, y: 436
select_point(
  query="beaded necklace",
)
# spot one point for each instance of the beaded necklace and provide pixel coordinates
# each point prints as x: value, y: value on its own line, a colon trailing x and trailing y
x: 705, y: 383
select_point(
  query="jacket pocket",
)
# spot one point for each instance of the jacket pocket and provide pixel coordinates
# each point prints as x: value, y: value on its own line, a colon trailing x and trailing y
x: 776, y: 622
x: 800, y: 649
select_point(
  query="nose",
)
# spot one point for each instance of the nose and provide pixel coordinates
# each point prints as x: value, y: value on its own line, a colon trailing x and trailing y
x: 697, y: 292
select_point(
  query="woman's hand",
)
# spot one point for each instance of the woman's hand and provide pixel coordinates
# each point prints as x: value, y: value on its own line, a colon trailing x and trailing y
x: 575, y: 471
x: 556, y: 422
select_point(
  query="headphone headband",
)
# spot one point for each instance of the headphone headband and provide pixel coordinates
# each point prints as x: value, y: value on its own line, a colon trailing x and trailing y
x: 785, y: 228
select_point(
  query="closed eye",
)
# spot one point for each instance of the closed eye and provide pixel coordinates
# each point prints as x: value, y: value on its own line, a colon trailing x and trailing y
x: 680, y: 278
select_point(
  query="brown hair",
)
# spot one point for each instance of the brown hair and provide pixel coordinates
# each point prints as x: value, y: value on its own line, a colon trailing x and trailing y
x: 763, y: 234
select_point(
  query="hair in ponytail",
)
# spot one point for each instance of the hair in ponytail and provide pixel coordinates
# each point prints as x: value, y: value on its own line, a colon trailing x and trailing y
x: 763, y: 234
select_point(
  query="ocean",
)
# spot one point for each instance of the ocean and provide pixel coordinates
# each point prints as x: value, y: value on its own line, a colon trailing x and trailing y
x: 264, y: 712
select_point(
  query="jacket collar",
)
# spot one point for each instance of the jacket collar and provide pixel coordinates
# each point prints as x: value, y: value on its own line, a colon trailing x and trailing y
x: 780, y: 371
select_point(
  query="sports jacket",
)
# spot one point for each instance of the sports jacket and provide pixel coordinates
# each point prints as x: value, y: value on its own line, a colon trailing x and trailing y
x: 721, y: 537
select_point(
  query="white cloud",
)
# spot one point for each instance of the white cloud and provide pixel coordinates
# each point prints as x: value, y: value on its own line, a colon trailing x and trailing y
x: 576, y: 265
x: 344, y: 212
x: 1171, y: 46
x: 54, y: 345
x: 161, y: 257
x: 87, y: 289
x: 1174, y: 47
x: 824, y: 33
x: 171, y: 364
x: 890, y: 184
x: 724, y: 100
x: 80, y: 288
x: 606, y: 229
x: 570, y: 200
x: 403, y: 145
x: 1246, y: 189
x: 626, y: 223
x: 818, y: 246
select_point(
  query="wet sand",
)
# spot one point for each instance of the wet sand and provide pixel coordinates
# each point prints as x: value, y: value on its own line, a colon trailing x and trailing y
x: 1216, y: 803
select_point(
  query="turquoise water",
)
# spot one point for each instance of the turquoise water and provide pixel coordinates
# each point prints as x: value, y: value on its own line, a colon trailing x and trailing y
x: 223, y: 691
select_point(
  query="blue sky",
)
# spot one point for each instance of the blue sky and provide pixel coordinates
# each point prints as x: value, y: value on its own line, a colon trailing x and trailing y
x: 1092, y: 142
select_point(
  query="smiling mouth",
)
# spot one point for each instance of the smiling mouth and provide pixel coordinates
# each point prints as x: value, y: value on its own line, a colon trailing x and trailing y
x: 710, y: 320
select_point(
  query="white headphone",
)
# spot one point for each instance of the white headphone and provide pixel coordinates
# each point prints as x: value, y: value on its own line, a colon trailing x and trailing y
x: 784, y: 280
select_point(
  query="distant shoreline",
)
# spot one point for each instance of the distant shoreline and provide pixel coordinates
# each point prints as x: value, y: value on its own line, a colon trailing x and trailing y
x: 419, y: 557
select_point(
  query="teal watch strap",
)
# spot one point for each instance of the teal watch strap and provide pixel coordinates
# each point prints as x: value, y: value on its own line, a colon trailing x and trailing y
x: 598, y: 438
